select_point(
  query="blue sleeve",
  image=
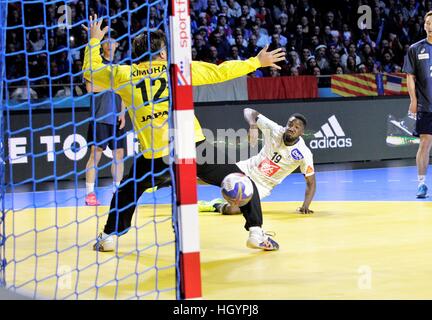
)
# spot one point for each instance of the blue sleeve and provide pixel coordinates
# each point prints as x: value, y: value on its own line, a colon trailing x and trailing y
x: 409, y: 63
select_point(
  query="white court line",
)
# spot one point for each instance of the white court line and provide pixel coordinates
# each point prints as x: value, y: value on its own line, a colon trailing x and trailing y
x: 393, y: 180
x: 346, y: 181
x: 369, y: 181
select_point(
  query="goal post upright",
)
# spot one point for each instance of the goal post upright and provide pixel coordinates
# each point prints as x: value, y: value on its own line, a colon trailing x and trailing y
x: 3, y: 25
x: 180, y: 58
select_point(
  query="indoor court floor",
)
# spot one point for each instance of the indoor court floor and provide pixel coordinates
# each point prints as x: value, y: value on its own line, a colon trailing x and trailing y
x: 369, y: 238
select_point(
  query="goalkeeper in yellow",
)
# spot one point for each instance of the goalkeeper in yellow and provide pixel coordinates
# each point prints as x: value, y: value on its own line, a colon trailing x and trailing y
x: 143, y: 88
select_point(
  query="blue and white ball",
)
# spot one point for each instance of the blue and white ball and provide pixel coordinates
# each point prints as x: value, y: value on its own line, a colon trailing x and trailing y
x: 237, y: 189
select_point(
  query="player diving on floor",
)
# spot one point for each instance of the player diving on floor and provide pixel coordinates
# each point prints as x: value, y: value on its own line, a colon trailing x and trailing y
x: 146, y: 94
x: 283, y: 152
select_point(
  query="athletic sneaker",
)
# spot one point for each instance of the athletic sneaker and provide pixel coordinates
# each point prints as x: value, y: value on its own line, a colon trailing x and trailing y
x: 91, y: 200
x: 209, y: 206
x: 261, y: 240
x: 422, y: 191
x: 104, y: 245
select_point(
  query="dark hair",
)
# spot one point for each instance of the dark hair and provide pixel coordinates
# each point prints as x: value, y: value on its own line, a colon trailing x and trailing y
x: 300, y: 117
x: 148, y: 42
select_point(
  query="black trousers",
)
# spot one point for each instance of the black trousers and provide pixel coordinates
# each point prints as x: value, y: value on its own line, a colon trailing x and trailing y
x: 140, y: 178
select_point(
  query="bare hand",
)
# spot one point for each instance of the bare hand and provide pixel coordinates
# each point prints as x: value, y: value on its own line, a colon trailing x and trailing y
x: 304, y: 210
x: 253, y: 136
x: 95, y: 28
x: 413, y: 107
x: 269, y: 59
x: 122, y: 121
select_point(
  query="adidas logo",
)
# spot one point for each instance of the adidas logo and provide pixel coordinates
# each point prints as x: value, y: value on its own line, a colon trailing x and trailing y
x: 331, y: 136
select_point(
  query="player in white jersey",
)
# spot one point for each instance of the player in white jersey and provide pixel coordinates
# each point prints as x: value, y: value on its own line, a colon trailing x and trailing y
x: 283, y: 152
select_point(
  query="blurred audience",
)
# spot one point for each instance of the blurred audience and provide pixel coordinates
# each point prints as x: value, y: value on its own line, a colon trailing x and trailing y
x: 320, y: 37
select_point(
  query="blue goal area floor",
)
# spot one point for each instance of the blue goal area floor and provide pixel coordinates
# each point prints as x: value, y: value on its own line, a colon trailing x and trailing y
x: 369, y: 238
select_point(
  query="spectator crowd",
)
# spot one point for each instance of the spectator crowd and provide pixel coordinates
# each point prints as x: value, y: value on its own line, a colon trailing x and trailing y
x: 319, y: 37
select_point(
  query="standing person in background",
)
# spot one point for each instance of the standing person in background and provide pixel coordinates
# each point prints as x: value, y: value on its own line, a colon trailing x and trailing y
x: 106, y: 128
x: 418, y: 67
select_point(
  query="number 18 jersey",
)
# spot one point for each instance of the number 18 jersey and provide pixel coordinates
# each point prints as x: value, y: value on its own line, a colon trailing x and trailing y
x: 276, y: 160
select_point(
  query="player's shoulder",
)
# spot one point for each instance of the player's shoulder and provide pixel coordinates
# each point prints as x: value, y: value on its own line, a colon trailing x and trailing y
x: 122, y: 72
x: 302, y: 146
x: 417, y: 45
x: 122, y: 69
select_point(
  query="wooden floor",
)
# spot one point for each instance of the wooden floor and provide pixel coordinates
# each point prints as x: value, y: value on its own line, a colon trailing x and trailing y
x: 346, y: 250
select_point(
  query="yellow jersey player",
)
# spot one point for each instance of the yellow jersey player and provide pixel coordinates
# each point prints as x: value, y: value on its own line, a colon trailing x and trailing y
x: 143, y: 88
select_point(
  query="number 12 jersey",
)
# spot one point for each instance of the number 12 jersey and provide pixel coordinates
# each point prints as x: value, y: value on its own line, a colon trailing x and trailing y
x: 144, y: 89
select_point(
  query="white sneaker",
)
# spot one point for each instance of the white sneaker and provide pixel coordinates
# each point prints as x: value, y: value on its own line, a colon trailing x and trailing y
x: 104, y: 244
x: 258, y: 239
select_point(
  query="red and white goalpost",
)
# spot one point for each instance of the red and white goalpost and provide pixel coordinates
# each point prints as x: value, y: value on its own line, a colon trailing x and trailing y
x: 184, y: 147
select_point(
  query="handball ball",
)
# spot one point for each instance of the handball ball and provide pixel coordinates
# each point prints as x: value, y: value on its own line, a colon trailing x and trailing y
x: 237, y: 189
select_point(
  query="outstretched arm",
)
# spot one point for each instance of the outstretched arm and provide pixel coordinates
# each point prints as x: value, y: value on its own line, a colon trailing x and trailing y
x: 250, y: 116
x: 208, y: 73
x: 309, y: 194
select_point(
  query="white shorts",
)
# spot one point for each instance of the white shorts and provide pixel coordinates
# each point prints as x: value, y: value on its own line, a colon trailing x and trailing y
x: 263, y: 192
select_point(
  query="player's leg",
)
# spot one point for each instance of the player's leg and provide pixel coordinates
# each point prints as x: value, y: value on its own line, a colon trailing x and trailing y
x: 124, y: 201
x: 422, y: 160
x: 93, y: 161
x: 117, y: 168
x: 423, y: 129
x: 117, y: 144
x: 96, y: 150
x: 258, y: 239
x: 214, y: 174
x: 218, y: 205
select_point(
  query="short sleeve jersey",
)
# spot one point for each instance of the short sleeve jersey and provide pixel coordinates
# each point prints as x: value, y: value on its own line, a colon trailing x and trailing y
x: 276, y: 161
x: 418, y: 62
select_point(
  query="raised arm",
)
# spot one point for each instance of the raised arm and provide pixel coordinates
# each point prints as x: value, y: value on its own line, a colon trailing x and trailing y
x: 250, y: 116
x: 100, y: 76
x: 208, y: 73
